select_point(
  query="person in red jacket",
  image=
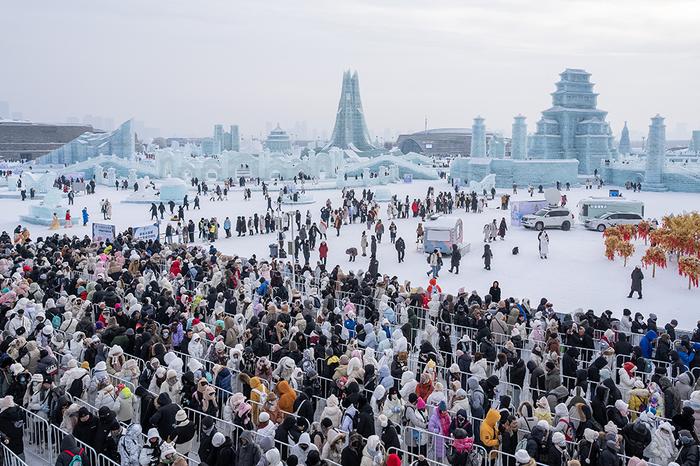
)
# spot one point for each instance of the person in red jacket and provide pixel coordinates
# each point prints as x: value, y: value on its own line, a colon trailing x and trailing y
x: 175, y: 268
x: 323, y: 252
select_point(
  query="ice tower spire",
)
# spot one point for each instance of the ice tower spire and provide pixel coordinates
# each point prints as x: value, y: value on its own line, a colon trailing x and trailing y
x: 350, y: 130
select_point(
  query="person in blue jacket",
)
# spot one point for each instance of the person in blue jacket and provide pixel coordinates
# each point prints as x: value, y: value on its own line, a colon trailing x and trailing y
x: 85, y: 216
x: 647, y: 344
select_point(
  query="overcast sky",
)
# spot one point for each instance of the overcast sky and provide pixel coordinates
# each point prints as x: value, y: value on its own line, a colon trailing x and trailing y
x: 182, y: 65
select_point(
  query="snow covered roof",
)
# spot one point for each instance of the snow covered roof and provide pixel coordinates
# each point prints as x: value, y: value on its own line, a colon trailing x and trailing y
x: 443, y: 223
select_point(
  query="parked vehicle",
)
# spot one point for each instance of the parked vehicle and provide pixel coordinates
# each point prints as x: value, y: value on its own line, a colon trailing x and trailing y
x: 612, y: 219
x: 549, y: 217
x: 594, y: 207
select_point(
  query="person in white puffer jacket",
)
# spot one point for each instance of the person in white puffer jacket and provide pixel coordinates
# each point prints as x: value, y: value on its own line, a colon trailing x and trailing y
x: 107, y: 397
x: 74, y: 372
x: 408, y: 384
x: 662, y: 449
x: 195, y: 347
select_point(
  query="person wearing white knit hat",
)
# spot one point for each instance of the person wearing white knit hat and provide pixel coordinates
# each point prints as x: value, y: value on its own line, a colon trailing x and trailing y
x: 218, y: 439
x: 522, y: 458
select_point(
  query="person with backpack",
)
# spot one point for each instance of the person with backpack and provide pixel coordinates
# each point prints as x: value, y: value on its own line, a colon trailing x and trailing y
x: 415, y: 420
x: 71, y: 454
x: 12, y: 425
x: 562, y: 422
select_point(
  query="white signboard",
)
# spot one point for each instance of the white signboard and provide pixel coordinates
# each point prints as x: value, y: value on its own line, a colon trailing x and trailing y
x: 145, y: 233
x: 102, y: 232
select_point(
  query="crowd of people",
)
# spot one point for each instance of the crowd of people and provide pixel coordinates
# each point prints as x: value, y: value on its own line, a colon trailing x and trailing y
x: 158, y: 354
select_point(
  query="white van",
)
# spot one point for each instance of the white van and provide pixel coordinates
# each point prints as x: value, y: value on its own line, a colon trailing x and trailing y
x: 594, y: 207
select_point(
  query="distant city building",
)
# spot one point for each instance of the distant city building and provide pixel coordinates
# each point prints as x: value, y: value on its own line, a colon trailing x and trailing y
x: 624, y: 147
x: 278, y: 140
x: 222, y: 140
x: 695, y: 142
x: 350, y: 130
x: 119, y: 142
x: 26, y: 141
x: 235, y: 138
x: 656, y: 156
x: 210, y: 146
x: 574, y: 128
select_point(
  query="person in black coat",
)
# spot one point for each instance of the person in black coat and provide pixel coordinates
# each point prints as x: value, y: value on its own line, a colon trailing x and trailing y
x: 304, y: 407
x: 206, y: 436
x: 538, y: 445
x: 536, y: 379
x: 365, y: 422
x: 455, y: 259
x: 85, y: 429
x: 569, y: 363
x: 223, y: 453
x: 12, y: 425
x: 688, y: 454
x: 637, y: 277
x: 69, y: 449
x: 389, y: 437
x: 352, y: 454
x: 400, y: 246
x: 613, y: 392
x: 609, y: 455
x: 164, y: 418
x: 495, y: 292
x: 637, y: 437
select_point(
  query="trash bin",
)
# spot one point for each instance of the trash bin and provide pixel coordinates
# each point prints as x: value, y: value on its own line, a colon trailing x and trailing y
x: 274, y: 250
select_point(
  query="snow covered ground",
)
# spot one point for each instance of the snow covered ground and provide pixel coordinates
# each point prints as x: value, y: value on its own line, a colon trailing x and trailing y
x: 576, y: 275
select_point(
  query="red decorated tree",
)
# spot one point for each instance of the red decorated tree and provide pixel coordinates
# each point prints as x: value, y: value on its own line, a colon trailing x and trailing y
x: 625, y: 249
x: 689, y: 266
x: 654, y: 256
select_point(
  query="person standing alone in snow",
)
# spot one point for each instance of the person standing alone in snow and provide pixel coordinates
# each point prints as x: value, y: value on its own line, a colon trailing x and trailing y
x: 637, y: 277
x: 487, y: 257
x: 543, y: 239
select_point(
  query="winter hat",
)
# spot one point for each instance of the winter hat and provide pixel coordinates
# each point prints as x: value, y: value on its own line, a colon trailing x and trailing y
x: 101, y: 366
x: 561, y: 410
x: 393, y: 460
x: 522, y: 457
x: 16, y: 368
x: 558, y: 439
x: 634, y: 461
x: 622, y: 407
x: 6, y: 402
x: 542, y: 424
x: 272, y: 456
x: 166, y: 451
x: 610, y: 428
x: 38, y: 378
x: 218, y: 439
x: 181, y: 416
x: 383, y: 420
x: 590, y: 435
x: 263, y: 417
x: 171, y: 374
x: 153, y: 433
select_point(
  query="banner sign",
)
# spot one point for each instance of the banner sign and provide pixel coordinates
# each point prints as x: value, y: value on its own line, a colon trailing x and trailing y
x: 520, y: 208
x: 103, y: 232
x: 145, y: 233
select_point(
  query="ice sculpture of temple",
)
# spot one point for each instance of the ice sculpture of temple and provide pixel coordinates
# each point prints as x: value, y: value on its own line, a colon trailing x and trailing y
x: 350, y: 130
x: 572, y: 138
x: 120, y: 143
x: 574, y: 128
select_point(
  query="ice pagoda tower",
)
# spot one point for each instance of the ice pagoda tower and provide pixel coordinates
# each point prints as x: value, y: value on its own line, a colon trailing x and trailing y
x: 656, y: 154
x: 478, y: 144
x: 350, y: 130
x: 624, y: 146
x: 574, y: 128
x: 519, y: 138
